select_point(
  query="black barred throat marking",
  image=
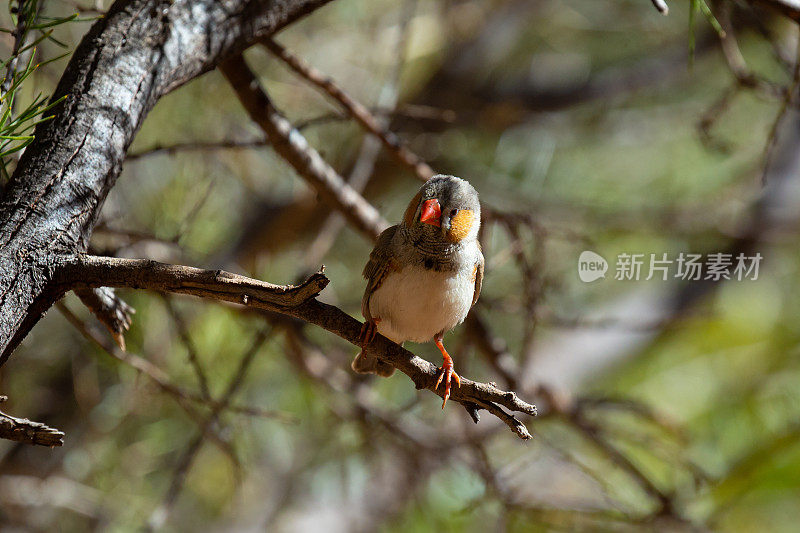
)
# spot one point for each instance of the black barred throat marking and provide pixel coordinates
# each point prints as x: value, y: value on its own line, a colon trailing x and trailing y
x: 436, y: 264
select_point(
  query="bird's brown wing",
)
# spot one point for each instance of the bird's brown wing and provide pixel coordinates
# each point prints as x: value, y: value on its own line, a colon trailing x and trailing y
x: 478, y: 275
x: 381, y: 262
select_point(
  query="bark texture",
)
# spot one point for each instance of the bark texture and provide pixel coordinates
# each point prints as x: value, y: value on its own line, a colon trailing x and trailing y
x: 27, y: 431
x: 137, y: 53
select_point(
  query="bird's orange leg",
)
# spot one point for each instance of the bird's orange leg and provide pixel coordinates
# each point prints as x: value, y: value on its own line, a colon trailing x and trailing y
x: 447, y: 371
x: 369, y: 330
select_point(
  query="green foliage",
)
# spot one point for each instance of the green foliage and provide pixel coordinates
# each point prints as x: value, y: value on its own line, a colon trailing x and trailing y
x: 29, y: 30
x: 694, y: 7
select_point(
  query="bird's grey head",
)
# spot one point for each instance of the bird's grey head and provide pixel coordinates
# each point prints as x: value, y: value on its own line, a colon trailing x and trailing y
x: 446, y: 210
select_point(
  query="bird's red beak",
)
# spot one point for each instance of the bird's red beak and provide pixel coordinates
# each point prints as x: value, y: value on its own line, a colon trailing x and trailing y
x: 431, y: 213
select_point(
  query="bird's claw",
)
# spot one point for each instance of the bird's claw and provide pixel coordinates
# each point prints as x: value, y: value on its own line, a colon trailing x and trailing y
x: 368, y: 331
x: 446, y: 374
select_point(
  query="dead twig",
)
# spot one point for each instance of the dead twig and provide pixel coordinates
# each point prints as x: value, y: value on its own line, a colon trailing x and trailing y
x: 364, y: 165
x: 160, y: 515
x: 191, y: 349
x: 290, y: 144
x: 186, y: 399
x: 110, y: 309
x: 28, y: 431
x: 358, y: 111
x: 745, y: 77
x: 385, y: 113
x: 197, y: 146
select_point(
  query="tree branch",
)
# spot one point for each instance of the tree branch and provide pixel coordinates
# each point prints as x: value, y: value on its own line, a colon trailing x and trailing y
x: 110, y: 309
x: 359, y: 112
x: 89, y: 271
x: 27, y: 431
x: 198, y: 146
x: 290, y: 144
x: 159, y: 377
x: 297, y: 301
x: 137, y: 53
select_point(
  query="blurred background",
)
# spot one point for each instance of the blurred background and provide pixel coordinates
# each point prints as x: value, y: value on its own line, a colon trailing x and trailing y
x: 585, y: 125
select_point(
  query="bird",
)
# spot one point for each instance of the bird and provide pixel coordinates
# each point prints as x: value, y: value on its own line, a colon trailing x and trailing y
x: 424, y: 274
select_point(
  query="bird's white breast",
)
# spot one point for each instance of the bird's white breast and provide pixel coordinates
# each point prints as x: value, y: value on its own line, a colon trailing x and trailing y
x: 415, y: 303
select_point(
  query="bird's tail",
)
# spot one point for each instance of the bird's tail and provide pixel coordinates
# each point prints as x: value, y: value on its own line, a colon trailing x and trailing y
x: 366, y: 363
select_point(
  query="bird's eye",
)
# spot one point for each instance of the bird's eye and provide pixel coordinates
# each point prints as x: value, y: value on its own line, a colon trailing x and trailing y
x: 453, y: 212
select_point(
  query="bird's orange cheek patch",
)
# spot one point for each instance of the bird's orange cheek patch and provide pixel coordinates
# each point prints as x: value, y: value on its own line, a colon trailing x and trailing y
x: 460, y: 225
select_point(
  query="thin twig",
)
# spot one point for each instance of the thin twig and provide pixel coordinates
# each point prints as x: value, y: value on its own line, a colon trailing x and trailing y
x: 593, y: 434
x: 191, y: 349
x: 494, y: 349
x: 197, y: 146
x: 114, y: 313
x: 160, y: 515
x: 791, y: 95
x: 355, y: 109
x: 293, y: 147
x: 410, y: 111
x: 745, y: 77
x: 364, y: 166
x: 386, y: 113
x: 161, y: 379
x: 29, y: 432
